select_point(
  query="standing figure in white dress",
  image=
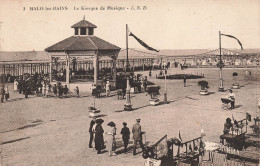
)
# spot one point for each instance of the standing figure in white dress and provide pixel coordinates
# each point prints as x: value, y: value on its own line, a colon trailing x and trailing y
x: 15, y: 85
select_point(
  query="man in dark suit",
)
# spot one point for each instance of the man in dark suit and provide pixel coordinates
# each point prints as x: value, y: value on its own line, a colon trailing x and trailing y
x: 137, y: 134
x: 91, y: 132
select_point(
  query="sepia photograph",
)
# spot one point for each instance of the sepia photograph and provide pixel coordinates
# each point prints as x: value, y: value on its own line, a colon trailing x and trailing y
x: 130, y: 83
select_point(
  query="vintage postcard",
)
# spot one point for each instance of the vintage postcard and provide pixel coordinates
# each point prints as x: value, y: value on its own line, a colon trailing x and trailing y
x: 129, y: 82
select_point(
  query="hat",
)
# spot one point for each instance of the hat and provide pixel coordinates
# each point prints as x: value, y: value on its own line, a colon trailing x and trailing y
x: 99, y: 121
x: 124, y: 123
x: 112, y: 124
x: 228, y: 120
x: 138, y: 120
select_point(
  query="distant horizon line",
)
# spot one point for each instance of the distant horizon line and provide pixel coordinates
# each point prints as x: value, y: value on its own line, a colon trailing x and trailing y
x: 147, y: 50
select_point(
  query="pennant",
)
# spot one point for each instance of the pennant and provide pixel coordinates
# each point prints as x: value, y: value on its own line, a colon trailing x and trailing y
x: 248, y: 117
x: 233, y: 118
x: 180, y: 136
x: 234, y: 38
x: 143, y: 43
x: 202, y: 132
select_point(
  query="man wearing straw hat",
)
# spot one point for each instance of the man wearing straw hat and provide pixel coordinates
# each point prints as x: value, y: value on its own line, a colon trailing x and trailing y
x: 137, y: 135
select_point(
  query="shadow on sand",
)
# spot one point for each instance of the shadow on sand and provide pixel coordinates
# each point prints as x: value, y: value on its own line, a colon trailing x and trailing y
x: 134, y: 109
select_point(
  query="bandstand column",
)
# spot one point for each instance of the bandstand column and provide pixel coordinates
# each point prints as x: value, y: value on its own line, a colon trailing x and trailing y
x: 114, y: 67
x: 143, y: 64
x: 51, y: 70
x: 95, y: 65
x: 68, y: 69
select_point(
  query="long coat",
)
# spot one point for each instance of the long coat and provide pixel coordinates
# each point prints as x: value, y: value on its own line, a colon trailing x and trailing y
x: 137, y: 133
x: 99, y: 139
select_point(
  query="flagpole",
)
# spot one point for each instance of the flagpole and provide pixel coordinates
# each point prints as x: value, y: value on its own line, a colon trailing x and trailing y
x: 127, y: 60
x: 221, y: 88
x: 128, y: 106
x: 165, y: 90
x: 246, y: 123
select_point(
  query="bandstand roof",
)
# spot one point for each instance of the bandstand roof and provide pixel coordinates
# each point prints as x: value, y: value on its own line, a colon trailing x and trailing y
x: 83, y: 23
x: 83, y: 43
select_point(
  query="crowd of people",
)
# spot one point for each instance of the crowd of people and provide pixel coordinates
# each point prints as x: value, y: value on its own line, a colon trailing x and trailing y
x: 227, y: 60
x: 96, y: 132
x: 37, y: 85
x: 40, y: 86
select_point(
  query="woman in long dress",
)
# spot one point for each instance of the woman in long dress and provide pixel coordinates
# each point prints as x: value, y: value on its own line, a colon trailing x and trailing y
x: 99, y: 139
x: 6, y: 92
x: 44, y: 90
x: 107, y: 89
x: 15, y: 85
x: 111, y: 138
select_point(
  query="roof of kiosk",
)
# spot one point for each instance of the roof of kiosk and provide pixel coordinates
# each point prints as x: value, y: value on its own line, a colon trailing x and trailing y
x: 83, y: 43
x: 83, y: 23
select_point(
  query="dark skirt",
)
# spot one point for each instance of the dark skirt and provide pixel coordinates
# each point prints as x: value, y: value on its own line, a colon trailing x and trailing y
x: 99, y: 142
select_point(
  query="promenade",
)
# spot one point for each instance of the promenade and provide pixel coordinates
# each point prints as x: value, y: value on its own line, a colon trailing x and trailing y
x: 52, y: 131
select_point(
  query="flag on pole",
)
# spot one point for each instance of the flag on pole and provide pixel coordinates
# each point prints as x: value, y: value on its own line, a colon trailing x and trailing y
x: 143, y: 43
x: 234, y: 38
x: 178, y: 152
x: 180, y: 136
x: 248, y: 117
x: 202, y: 132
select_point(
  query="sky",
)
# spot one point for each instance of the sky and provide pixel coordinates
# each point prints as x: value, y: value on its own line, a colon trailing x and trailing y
x: 162, y: 24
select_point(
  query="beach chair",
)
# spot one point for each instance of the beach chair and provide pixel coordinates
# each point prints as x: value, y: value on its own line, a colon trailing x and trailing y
x: 219, y: 159
x: 152, y: 162
x: 234, y: 163
x: 206, y: 160
x: 205, y: 163
x: 180, y: 163
x: 226, y: 104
